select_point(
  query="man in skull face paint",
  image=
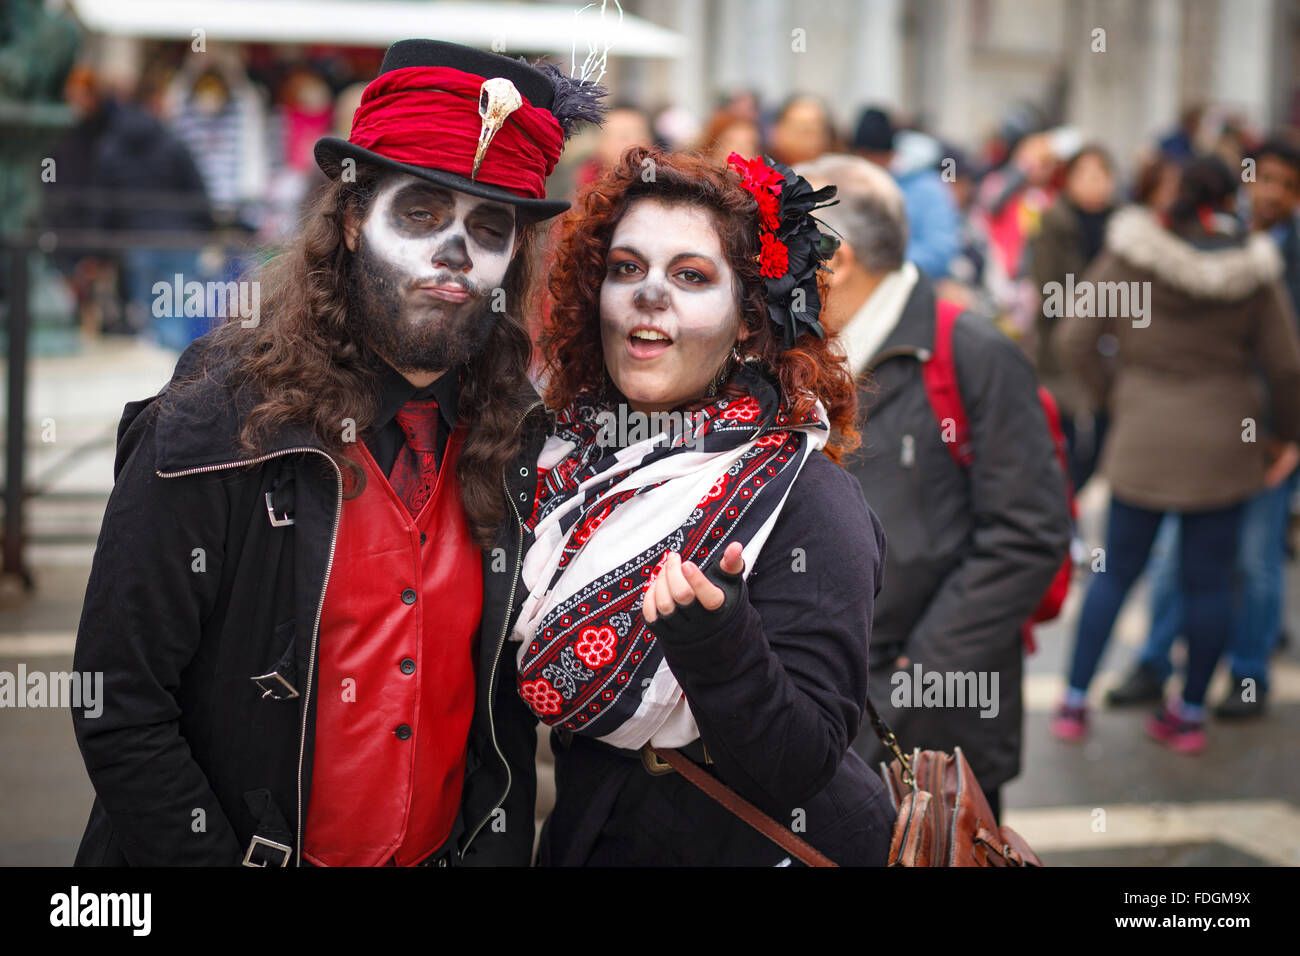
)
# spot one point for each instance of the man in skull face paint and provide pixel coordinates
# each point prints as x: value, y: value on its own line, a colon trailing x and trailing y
x: 300, y: 593
x: 428, y: 260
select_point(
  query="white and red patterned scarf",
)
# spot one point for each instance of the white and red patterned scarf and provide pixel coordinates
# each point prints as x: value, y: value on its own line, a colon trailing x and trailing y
x: 603, y: 523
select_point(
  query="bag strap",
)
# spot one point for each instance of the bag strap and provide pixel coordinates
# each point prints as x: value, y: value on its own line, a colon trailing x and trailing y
x: 939, y: 375
x: 891, y: 742
x: 733, y: 802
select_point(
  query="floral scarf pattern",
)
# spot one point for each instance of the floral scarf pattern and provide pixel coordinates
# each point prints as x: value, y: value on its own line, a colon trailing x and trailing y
x: 603, y: 523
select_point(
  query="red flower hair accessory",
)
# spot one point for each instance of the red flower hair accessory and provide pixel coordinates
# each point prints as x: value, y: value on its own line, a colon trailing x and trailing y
x: 793, y: 249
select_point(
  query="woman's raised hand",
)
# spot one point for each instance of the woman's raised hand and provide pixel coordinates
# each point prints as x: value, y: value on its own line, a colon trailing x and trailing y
x: 680, y: 583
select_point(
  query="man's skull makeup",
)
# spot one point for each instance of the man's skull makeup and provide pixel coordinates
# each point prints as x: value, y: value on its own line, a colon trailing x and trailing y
x: 669, y: 314
x: 428, y: 259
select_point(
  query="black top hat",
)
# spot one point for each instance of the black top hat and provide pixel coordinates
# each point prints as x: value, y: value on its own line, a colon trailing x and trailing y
x: 426, y: 113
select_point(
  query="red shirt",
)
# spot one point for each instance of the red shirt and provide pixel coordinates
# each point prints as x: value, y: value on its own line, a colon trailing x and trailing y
x: 396, y: 664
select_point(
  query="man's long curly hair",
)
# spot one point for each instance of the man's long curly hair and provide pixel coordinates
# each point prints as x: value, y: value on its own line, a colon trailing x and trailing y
x: 570, y: 340
x: 304, y: 367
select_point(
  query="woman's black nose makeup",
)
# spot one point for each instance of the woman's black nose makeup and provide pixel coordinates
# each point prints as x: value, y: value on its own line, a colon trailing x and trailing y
x: 652, y: 295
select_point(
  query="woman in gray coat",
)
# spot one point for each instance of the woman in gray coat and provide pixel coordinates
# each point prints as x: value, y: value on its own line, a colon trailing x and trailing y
x: 1192, y: 313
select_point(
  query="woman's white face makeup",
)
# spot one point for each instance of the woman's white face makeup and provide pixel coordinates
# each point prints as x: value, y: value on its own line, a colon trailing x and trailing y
x: 668, y: 309
x: 428, y: 260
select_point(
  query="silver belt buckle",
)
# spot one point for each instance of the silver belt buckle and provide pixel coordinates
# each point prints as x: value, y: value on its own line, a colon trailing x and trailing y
x: 277, y: 521
x: 270, y: 844
x: 271, y: 691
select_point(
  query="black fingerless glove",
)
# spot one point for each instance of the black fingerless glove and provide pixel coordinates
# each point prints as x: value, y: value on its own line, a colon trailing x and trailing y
x: 694, y: 621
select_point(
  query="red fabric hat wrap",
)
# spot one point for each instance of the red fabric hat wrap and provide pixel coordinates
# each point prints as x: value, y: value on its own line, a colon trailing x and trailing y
x: 428, y: 116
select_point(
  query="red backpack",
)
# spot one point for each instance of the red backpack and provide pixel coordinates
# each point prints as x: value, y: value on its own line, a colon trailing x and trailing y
x: 939, y: 373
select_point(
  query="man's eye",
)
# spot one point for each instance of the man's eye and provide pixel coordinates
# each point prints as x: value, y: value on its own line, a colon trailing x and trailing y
x: 491, y: 232
x: 421, y: 215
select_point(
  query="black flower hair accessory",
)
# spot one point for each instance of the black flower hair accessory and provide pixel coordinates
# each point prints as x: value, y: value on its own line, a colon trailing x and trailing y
x: 793, y: 249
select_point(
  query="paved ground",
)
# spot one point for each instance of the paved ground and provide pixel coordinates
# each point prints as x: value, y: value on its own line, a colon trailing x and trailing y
x: 1239, y: 804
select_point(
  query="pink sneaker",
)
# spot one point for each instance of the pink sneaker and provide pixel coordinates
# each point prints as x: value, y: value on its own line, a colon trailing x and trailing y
x: 1070, y: 723
x: 1180, y: 736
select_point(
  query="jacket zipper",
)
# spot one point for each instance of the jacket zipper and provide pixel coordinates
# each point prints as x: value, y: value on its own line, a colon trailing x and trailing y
x: 329, y: 565
x: 505, y: 626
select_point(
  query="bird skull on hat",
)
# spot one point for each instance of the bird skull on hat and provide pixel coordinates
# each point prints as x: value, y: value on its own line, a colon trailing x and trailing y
x: 497, y: 99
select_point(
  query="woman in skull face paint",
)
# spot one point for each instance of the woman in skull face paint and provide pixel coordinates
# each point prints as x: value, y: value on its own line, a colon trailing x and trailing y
x: 708, y: 588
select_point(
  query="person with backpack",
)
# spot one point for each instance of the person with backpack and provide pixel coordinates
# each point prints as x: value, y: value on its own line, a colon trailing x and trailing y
x: 973, y: 499
x: 1189, y: 432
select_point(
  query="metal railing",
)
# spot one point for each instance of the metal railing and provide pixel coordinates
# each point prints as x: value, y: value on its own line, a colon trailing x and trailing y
x: 17, y: 248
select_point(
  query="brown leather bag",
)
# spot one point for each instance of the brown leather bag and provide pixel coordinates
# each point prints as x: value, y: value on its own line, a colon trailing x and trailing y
x: 943, y: 817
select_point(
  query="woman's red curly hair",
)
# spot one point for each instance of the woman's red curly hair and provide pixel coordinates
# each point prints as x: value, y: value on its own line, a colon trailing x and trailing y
x: 570, y: 339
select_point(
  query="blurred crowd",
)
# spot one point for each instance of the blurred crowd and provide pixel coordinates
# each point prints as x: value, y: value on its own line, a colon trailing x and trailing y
x: 216, y: 145
x: 205, y: 142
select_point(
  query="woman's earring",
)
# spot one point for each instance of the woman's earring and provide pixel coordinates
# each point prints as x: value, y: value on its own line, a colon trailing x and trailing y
x: 724, y: 373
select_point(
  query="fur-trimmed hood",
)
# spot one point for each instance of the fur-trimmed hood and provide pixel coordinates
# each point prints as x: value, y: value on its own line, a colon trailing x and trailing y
x: 1135, y: 235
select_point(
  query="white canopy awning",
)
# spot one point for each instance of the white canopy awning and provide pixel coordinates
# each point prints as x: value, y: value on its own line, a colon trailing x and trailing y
x: 508, y: 27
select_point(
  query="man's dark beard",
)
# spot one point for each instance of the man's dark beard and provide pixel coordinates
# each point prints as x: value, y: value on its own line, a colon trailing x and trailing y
x: 375, y: 316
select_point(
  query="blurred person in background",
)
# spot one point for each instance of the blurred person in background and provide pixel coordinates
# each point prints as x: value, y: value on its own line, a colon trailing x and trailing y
x: 933, y: 224
x: 345, y: 107
x: 1069, y: 238
x: 1274, y: 200
x: 967, y: 281
x: 221, y: 117
x: 152, y: 184
x: 972, y: 548
x: 802, y: 130
x: 1179, y: 144
x: 1274, y: 195
x: 73, y: 199
x: 77, y: 200
x: 743, y: 102
x: 1229, y: 136
x: 1184, y: 407
x: 729, y: 132
x: 1012, y: 198
x: 304, y: 112
x: 625, y: 126
x: 1155, y: 184
x: 675, y: 127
